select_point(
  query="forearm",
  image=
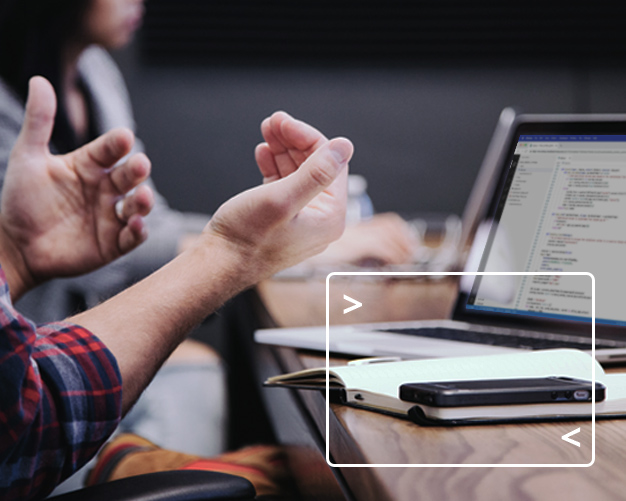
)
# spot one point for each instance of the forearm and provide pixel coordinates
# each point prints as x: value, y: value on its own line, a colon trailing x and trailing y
x: 51, y: 378
x: 143, y: 324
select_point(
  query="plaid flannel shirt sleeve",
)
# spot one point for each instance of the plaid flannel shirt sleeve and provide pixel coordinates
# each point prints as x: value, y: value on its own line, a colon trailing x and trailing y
x: 60, y: 399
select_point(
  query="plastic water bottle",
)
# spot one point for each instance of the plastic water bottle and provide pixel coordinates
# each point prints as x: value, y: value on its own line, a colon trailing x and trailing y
x: 360, y: 205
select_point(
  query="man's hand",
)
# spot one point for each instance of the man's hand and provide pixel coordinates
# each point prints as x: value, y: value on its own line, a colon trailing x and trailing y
x: 386, y: 239
x: 58, y: 214
x: 301, y: 206
x: 297, y: 212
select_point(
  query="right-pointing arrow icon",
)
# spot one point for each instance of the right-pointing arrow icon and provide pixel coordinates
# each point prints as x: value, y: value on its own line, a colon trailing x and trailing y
x: 357, y: 304
x: 567, y: 439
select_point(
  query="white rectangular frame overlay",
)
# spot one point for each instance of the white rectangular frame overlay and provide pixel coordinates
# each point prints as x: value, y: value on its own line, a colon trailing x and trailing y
x: 461, y: 273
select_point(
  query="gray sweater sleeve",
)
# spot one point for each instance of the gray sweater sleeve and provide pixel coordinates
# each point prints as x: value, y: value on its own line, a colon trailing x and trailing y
x: 11, y: 116
x: 57, y: 299
x: 111, y: 108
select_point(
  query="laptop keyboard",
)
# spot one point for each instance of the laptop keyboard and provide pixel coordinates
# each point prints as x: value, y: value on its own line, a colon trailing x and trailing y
x: 516, y: 339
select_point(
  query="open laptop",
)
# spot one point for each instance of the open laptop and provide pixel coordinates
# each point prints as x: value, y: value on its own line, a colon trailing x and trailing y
x: 559, y: 205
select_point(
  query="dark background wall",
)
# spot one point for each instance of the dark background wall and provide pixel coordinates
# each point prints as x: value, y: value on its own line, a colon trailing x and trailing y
x: 419, y: 109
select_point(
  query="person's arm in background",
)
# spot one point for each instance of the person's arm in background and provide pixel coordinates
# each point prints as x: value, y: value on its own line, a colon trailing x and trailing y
x: 11, y: 119
x: 382, y: 240
x: 168, y: 227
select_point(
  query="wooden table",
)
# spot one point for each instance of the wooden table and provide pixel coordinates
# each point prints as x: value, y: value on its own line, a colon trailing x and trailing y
x: 363, y: 437
x: 299, y: 303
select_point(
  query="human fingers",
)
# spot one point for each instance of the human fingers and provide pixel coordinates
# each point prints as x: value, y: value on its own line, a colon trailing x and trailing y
x: 277, y: 145
x: 294, y: 133
x: 396, y: 238
x: 132, y: 234
x: 103, y: 152
x: 131, y: 173
x: 39, y: 116
x: 393, y: 254
x: 266, y: 162
x: 315, y: 175
x: 139, y: 202
x: 371, y: 243
x: 397, y: 231
x: 291, y: 141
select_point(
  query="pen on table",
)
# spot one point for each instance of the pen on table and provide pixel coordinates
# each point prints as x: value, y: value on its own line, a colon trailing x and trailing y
x: 373, y: 360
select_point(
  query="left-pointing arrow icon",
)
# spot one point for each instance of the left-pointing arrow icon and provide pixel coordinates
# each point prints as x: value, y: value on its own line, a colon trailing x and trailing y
x: 356, y: 304
x: 567, y: 439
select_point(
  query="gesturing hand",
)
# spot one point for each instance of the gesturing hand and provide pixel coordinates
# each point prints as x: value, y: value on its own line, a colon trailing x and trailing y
x: 301, y: 206
x: 58, y: 214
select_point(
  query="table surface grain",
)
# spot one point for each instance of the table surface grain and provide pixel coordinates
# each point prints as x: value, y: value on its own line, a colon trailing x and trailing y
x: 358, y: 436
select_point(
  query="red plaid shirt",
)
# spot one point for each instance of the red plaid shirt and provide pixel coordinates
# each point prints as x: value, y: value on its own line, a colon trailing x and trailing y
x: 60, y: 399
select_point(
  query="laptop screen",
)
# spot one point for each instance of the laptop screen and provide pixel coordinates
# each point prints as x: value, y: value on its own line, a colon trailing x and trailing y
x: 561, y: 207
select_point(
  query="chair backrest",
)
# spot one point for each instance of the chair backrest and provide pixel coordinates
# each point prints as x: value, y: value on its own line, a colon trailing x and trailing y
x: 183, y: 485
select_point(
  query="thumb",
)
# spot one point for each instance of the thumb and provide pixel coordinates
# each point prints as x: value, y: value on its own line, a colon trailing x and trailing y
x: 39, y: 117
x: 317, y: 174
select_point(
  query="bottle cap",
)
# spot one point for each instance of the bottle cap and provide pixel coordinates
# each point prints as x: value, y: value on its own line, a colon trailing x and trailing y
x: 357, y: 185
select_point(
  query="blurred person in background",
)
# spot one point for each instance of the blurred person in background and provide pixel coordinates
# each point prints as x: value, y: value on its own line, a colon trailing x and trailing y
x: 66, y: 41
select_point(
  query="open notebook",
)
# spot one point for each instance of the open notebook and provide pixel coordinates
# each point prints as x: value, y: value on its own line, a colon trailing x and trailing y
x: 375, y: 386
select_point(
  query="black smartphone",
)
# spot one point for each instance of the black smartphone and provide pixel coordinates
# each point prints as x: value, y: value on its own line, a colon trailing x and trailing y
x: 501, y: 392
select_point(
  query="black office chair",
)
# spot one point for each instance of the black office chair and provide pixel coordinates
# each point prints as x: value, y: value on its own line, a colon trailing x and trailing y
x: 181, y: 485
